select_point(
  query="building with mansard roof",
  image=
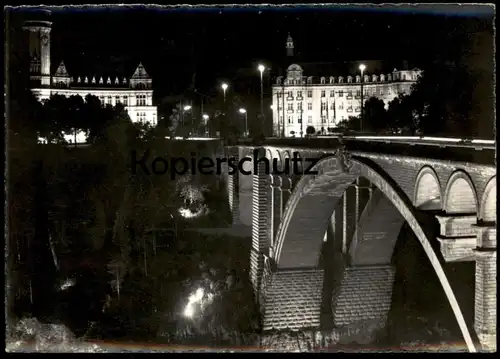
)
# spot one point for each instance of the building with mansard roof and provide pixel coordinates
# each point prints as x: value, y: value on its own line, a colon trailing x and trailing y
x: 323, y: 94
x: 119, y: 84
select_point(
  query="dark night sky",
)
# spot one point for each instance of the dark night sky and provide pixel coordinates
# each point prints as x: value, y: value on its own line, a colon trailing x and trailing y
x: 172, y: 43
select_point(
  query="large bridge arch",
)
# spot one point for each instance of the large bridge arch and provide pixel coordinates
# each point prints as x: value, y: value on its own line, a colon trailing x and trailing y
x: 299, y: 240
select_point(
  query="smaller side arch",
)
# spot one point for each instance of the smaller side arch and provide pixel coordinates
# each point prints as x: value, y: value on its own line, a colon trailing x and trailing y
x: 269, y: 155
x: 460, y: 195
x: 488, y: 207
x: 427, y: 193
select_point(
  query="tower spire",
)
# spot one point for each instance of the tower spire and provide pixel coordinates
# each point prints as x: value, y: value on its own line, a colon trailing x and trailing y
x: 289, y: 45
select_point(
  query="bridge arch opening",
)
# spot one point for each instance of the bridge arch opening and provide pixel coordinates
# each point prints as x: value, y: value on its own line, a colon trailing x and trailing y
x: 488, y: 208
x: 300, y: 236
x: 460, y: 196
x: 428, y: 190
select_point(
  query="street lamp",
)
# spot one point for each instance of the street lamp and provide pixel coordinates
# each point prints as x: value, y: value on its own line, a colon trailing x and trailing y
x: 362, y: 68
x: 205, y: 117
x: 224, y: 88
x: 261, y: 68
x: 244, y: 112
x: 186, y: 108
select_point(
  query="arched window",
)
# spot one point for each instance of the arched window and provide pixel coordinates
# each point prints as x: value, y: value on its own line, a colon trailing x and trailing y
x: 278, y: 82
x: 322, y: 80
x: 341, y: 80
x: 358, y: 78
x: 332, y: 79
x: 309, y: 80
x: 140, y: 86
x: 349, y: 79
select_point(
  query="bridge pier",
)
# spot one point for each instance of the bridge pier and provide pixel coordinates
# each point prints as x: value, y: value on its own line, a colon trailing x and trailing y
x: 233, y: 188
x: 260, y: 233
x: 485, y: 301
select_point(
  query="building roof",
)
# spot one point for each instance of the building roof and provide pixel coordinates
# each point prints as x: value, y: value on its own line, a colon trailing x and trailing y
x: 121, y: 70
x: 115, y: 67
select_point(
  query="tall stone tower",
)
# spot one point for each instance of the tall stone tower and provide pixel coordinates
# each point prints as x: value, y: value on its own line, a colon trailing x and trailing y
x: 289, y: 46
x: 39, y: 28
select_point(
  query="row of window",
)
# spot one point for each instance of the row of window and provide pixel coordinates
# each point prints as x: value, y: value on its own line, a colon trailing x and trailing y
x: 366, y: 78
x: 324, y: 119
x: 140, y: 100
x: 378, y: 91
x: 141, y: 116
x: 310, y: 107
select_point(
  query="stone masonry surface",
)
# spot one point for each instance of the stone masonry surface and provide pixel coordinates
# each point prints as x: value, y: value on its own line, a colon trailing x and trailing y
x: 293, y: 300
x: 365, y: 294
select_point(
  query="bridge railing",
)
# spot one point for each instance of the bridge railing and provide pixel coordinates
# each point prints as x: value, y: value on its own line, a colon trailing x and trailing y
x: 475, y: 143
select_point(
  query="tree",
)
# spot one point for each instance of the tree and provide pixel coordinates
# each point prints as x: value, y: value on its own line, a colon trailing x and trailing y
x: 310, y: 130
x: 440, y: 101
x: 175, y: 119
x: 374, y: 115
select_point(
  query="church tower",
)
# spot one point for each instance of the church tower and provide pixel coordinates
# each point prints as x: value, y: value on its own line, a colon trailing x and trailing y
x: 39, y: 47
x: 289, y: 46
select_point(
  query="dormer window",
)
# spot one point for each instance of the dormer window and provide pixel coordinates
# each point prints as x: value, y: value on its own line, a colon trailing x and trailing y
x: 309, y: 80
x: 358, y: 78
x: 79, y: 80
x: 278, y: 82
x: 117, y: 82
x: 389, y: 77
x: 86, y: 80
x: 322, y: 80
x: 332, y: 80
x: 124, y: 81
x: 366, y: 78
x: 349, y: 79
x: 382, y: 77
x: 374, y: 78
x: 93, y: 79
x: 108, y: 82
x: 341, y: 80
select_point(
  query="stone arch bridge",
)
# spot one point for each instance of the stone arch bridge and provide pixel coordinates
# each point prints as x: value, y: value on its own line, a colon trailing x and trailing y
x: 362, y: 195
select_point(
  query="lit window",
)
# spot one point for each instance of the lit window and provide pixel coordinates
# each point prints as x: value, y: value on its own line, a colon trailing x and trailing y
x: 332, y: 93
x: 309, y: 119
x: 323, y: 93
x: 125, y: 100
x: 309, y: 106
x: 309, y: 93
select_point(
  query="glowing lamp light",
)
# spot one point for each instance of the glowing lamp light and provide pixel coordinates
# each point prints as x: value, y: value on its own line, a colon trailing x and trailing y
x: 362, y: 67
x: 261, y: 68
x: 224, y: 86
x: 242, y: 110
x: 187, y: 108
x: 205, y: 116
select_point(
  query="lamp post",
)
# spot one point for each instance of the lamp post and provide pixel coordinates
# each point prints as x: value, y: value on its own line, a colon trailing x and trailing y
x: 362, y: 68
x: 224, y: 89
x: 244, y: 112
x: 186, y: 109
x: 205, y: 118
x: 261, y: 68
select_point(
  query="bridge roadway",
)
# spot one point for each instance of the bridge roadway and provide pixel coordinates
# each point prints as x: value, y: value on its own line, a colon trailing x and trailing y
x: 367, y: 187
